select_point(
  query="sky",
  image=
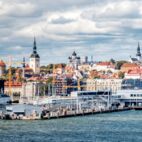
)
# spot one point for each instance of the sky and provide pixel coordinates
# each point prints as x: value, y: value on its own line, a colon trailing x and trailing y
x: 103, y: 29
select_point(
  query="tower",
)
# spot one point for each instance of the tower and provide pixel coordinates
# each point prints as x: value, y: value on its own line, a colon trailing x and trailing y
x: 74, y: 60
x: 138, y: 52
x: 35, y: 59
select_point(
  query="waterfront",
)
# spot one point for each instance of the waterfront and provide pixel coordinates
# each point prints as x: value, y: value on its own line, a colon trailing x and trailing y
x: 111, y: 127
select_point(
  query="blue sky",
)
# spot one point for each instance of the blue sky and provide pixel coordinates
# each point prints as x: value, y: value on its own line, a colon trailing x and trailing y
x: 103, y: 29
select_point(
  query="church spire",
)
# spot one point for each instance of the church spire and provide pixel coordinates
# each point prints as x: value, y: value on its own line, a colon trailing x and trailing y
x: 34, y: 54
x: 24, y: 62
x: 138, y: 51
x: 34, y: 46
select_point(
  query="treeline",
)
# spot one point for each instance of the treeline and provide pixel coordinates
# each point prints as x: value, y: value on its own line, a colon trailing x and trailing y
x: 49, y: 68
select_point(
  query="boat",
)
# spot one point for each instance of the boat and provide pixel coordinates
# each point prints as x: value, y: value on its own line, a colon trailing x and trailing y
x: 129, y: 97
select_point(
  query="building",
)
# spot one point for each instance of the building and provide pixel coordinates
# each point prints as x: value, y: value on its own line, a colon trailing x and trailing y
x: 74, y: 60
x: 2, y: 68
x: 35, y: 59
x: 103, y: 84
x: 58, y: 87
x: 31, y: 90
x: 132, y: 84
x: 129, y: 66
x: 134, y: 74
x: 2, y: 86
x: 14, y: 90
x: 138, y: 58
x: 104, y: 66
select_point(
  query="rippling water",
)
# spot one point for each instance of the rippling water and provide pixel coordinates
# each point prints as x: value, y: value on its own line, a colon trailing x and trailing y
x: 112, y: 127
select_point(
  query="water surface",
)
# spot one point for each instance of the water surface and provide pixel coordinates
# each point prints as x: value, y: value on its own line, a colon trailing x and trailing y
x: 112, y: 127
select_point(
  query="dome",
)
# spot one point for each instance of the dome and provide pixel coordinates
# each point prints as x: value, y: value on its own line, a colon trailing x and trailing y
x: 2, y: 64
x: 74, y: 54
x: 69, y: 57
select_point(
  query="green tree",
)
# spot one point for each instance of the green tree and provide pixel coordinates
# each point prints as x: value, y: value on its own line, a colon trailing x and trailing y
x: 112, y: 61
x: 121, y: 75
x: 119, y: 64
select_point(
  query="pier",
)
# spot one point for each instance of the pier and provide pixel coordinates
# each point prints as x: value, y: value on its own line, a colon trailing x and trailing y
x: 47, y: 115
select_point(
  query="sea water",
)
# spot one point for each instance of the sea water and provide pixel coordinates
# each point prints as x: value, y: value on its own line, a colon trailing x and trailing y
x: 111, y: 127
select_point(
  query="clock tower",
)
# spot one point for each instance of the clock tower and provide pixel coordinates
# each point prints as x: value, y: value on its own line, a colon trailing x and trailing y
x: 35, y: 59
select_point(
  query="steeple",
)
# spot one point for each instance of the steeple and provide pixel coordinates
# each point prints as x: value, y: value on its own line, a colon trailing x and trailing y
x: 138, y: 51
x: 35, y: 59
x: 23, y: 62
x: 34, y: 54
x: 34, y: 46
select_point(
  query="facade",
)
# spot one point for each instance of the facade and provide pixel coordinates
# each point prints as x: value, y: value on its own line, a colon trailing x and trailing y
x: 31, y: 90
x: 103, y: 84
x: 2, y: 86
x: 104, y: 66
x: 132, y: 84
x: 129, y: 97
x: 35, y: 60
x: 2, y: 68
x: 74, y: 60
x: 59, y: 87
x: 14, y: 90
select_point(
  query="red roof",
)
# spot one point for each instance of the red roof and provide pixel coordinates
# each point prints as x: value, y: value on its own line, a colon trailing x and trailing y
x: 135, y: 71
x: 2, y: 64
x: 104, y: 63
x: 126, y: 65
x: 13, y: 84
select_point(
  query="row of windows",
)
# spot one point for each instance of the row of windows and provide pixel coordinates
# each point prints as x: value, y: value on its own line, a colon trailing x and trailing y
x: 136, y: 95
x: 102, y: 83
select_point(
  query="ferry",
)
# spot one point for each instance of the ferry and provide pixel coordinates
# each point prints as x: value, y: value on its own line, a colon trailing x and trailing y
x: 129, y: 97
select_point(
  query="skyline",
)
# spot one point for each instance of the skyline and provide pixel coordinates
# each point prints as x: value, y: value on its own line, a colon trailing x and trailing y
x: 104, y: 30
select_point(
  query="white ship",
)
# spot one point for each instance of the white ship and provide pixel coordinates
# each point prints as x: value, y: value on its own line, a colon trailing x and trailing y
x: 129, y: 97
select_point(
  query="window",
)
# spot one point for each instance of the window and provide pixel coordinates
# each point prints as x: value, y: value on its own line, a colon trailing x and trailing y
x: 138, y: 95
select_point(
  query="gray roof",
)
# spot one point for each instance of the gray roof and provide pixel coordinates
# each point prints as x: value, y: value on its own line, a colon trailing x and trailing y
x: 134, y: 59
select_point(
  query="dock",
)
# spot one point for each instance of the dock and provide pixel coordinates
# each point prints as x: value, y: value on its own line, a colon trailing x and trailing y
x: 74, y: 114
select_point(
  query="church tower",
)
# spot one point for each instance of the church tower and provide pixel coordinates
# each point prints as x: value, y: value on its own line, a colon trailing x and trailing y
x: 35, y: 59
x: 138, y: 52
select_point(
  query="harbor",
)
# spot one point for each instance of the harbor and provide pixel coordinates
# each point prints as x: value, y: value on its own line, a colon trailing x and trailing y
x: 80, y: 103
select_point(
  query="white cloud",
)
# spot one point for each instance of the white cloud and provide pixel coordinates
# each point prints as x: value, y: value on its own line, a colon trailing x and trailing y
x: 88, y: 27
x: 16, y: 9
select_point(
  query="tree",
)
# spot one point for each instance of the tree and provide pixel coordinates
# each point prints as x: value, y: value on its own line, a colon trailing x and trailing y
x: 119, y: 64
x: 112, y: 61
x: 121, y: 75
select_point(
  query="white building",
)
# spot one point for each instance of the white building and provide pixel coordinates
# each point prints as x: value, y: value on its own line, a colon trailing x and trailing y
x: 30, y: 91
x: 35, y: 60
x: 104, y: 66
x: 103, y: 84
x: 74, y: 60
